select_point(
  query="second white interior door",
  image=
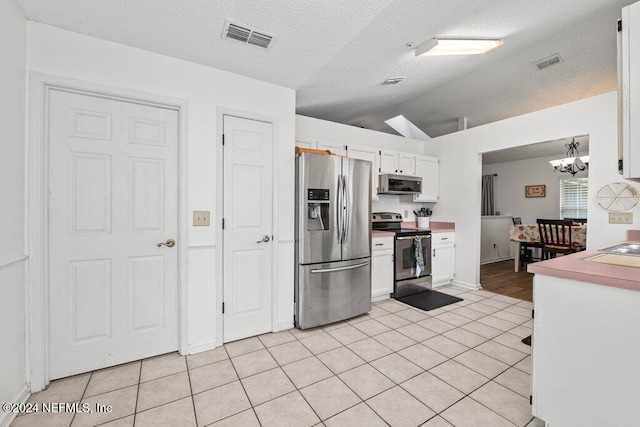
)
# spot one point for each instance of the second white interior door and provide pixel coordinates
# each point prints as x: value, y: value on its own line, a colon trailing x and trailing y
x: 248, y: 240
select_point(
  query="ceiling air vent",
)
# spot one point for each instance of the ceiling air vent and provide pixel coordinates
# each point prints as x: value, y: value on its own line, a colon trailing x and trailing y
x: 246, y: 34
x: 392, y: 81
x: 547, y: 62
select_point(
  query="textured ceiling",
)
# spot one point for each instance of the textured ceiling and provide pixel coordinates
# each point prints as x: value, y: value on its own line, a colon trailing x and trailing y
x: 336, y: 52
x: 534, y: 151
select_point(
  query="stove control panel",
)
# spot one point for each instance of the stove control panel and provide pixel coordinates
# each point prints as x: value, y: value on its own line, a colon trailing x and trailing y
x: 386, y: 217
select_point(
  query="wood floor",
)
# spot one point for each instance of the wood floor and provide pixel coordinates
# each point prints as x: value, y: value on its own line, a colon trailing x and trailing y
x: 500, y: 278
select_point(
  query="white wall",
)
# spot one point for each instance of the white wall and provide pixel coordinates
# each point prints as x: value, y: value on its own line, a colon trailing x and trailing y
x: 461, y: 168
x: 13, y: 39
x: 514, y: 176
x: 63, y: 53
x: 494, y: 239
x: 309, y: 127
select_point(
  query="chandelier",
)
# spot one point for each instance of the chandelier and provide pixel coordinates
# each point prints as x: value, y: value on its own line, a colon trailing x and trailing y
x: 573, y: 163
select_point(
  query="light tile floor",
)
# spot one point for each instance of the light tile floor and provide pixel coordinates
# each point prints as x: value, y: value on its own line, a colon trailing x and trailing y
x: 460, y: 365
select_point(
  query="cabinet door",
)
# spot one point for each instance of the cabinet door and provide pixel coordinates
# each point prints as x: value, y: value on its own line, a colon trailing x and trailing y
x: 334, y: 147
x: 428, y: 168
x: 442, y: 263
x: 388, y: 161
x: 303, y: 142
x: 406, y: 164
x: 381, y: 274
x: 369, y: 154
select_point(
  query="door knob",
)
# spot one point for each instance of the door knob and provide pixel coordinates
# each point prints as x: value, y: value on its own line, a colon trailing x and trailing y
x: 169, y: 243
x: 265, y: 239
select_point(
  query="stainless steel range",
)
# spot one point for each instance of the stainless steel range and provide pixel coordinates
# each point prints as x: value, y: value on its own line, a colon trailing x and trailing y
x: 407, y: 279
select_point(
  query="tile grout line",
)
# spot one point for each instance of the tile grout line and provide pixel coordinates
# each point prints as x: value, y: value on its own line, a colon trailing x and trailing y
x: 411, y: 322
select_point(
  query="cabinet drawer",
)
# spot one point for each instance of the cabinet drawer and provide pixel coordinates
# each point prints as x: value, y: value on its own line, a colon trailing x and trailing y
x: 382, y: 243
x: 438, y: 238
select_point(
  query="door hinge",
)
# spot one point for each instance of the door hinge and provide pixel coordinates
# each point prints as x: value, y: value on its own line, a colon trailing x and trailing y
x: 223, y: 139
x: 223, y: 223
x: 530, y: 400
x: 380, y: 152
x: 619, y: 25
x: 222, y: 308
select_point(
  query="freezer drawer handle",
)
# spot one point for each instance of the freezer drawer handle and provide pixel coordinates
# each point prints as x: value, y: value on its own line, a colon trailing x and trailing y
x: 331, y: 270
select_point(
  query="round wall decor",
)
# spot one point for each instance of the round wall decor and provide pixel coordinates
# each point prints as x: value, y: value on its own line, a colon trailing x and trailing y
x: 617, y: 197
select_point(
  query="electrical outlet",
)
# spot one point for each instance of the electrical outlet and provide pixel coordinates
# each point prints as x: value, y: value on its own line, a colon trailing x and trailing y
x: 620, y: 217
x: 201, y: 218
x: 406, y: 214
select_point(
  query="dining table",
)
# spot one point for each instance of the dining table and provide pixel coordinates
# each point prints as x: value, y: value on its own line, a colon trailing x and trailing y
x: 530, y: 233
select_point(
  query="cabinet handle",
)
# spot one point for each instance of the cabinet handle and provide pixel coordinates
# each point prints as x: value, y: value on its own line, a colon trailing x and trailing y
x: 396, y: 170
x: 379, y: 244
x: 400, y: 171
x: 444, y: 238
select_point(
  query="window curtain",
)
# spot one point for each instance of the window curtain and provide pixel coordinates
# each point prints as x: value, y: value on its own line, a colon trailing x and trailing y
x: 488, y: 206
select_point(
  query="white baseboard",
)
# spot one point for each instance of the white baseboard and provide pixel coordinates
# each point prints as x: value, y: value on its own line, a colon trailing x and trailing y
x: 6, y: 418
x: 199, y: 348
x: 284, y: 326
x: 470, y: 286
x: 381, y: 297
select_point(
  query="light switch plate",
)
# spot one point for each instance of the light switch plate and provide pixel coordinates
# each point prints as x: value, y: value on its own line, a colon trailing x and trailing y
x: 620, y: 217
x: 201, y: 218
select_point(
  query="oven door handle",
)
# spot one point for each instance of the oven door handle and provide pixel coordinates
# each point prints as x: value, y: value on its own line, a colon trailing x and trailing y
x: 413, y: 237
x: 331, y: 270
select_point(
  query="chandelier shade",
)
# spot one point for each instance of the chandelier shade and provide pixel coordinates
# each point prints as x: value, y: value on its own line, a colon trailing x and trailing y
x: 573, y: 163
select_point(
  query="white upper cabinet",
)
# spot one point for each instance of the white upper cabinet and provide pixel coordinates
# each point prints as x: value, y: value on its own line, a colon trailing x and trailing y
x: 303, y: 142
x: 388, y: 161
x: 428, y: 168
x: 369, y: 154
x: 630, y: 90
x: 406, y: 164
x: 397, y: 163
x: 334, y: 147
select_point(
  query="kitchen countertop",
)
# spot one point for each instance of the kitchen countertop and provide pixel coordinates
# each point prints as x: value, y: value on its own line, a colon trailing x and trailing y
x: 434, y: 226
x: 574, y: 268
x: 380, y: 233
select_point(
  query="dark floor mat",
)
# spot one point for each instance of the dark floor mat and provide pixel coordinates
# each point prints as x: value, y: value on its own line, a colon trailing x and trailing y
x: 429, y: 300
x: 527, y: 340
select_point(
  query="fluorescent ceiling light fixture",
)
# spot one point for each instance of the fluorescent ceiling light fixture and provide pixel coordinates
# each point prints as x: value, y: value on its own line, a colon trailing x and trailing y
x: 457, y: 46
x: 407, y: 129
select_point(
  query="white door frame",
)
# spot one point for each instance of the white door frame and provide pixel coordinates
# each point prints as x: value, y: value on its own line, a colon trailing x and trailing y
x: 40, y: 87
x: 220, y: 113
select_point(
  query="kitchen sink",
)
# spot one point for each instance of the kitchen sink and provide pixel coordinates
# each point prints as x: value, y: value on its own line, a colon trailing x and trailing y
x: 623, y: 249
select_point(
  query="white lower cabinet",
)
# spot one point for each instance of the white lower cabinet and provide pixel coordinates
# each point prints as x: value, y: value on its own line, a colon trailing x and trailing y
x: 382, y: 268
x: 442, y: 258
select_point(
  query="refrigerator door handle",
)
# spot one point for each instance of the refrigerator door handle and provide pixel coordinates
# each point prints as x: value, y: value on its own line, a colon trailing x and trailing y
x: 339, y: 214
x: 331, y: 270
x: 347, y: 210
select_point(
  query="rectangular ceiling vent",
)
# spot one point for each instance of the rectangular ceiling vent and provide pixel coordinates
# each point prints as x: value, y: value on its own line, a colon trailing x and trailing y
x: 548, y: 62
x: 392, y: 80
x: 247, y: 34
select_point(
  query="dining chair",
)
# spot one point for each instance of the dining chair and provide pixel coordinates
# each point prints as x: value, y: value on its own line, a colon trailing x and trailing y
x: 555, y: 237
x: 581, y: 221
x: 526, y: 248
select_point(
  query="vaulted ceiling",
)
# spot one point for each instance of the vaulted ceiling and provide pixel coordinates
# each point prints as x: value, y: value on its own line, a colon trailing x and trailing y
x: 335, y: 53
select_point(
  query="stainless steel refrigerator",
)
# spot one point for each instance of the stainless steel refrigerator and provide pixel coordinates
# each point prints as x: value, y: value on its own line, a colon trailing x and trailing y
x: 333, y: 239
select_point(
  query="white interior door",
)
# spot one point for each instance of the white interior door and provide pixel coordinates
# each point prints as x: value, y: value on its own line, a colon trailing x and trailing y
x: 112, y: 199
x: 248, y: 240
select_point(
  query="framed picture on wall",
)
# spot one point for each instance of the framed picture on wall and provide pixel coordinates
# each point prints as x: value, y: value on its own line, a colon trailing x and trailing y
x: 535, y: 191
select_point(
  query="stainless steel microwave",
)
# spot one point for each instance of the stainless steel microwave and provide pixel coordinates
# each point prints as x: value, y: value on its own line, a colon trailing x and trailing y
x: 400, y: 184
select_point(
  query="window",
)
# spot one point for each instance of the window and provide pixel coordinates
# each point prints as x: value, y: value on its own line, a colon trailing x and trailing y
x: 574, y: 197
